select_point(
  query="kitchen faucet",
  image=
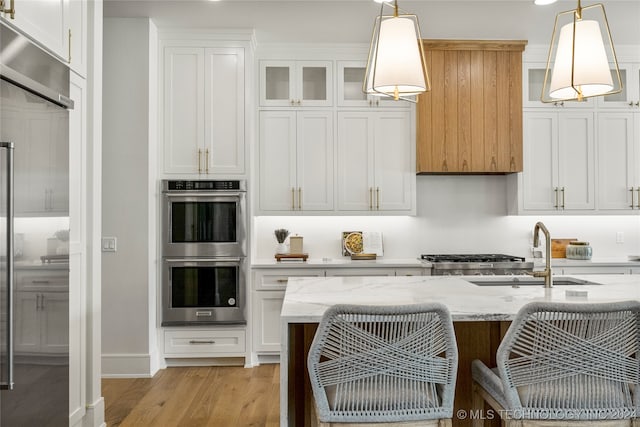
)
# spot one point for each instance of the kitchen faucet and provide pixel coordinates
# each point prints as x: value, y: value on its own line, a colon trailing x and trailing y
x: 548, y: 279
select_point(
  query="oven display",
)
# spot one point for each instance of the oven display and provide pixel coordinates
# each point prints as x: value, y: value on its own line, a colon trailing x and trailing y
x: 204, y: 287
x: 203, y: 222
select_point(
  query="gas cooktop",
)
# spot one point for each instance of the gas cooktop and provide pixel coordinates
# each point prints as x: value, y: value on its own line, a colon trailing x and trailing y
x: 471, y: 258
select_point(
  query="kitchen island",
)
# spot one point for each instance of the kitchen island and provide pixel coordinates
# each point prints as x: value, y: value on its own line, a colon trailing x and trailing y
x: 481, y: 315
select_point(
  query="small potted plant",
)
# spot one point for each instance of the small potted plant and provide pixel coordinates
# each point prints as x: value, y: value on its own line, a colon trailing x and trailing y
x: 281, y: 235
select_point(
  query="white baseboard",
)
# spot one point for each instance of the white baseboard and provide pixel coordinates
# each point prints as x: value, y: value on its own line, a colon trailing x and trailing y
x: 268, y: 358
x: 128, y: 365
x: 94, y: 417
x: 205, y: 361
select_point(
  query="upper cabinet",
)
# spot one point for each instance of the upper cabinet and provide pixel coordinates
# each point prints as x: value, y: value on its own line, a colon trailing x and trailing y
x: 533, y: 74
x: 471, y: 120
x: 78, y: 36
x: 296, y: 83
x: 619, y: 161
x: 204, y: 110
x: 296, y: 161
x: 629, y: 98
x: 374, y: 162
x: 350, y: 80
x: 46, y: 21
x: 558, y: 161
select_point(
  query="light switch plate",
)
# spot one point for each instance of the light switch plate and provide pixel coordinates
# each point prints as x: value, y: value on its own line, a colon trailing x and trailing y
x: 109, y: 244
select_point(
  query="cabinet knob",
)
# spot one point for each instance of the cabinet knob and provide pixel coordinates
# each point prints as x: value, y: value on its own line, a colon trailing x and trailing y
x: 293, y: 102
x: 638, y: 104
x: 630, y: 103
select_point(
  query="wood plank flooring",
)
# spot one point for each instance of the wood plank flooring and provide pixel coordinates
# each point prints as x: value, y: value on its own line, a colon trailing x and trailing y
x: 196, y: 396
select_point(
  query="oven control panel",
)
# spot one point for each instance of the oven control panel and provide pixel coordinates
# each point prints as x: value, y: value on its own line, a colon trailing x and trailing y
x: 204, y: 185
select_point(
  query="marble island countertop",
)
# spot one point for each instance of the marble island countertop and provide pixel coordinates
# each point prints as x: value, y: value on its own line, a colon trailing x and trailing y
x: 306, y: 299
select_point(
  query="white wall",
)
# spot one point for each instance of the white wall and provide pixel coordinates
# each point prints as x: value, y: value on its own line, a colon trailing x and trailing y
x: 456, y: 214
x: 128, y: 209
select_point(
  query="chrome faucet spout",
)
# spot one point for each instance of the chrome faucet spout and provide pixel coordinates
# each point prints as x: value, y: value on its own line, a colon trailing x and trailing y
x: 548, y: 278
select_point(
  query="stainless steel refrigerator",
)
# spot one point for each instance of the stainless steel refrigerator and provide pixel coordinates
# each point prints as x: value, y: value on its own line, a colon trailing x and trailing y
x: 34, y: 234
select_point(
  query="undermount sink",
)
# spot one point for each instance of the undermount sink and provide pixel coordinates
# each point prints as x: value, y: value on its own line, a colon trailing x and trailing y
x: 529, y: 281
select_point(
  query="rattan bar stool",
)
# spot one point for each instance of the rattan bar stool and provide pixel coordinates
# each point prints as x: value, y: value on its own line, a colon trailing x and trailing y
x: 565, y: 364
x: 384, y: 364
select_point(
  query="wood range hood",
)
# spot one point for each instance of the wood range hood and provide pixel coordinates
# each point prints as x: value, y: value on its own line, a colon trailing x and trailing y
x: 471, y: 120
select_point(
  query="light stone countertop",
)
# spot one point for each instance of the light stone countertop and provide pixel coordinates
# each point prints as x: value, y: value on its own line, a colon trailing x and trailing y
x: 306, y: 299
x: 342, y: 262
x: 346, y: 262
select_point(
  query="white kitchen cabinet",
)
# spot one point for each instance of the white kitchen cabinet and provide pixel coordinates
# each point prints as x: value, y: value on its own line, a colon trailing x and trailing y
x: 203, y: 110
x: 376, y: 161
x: 629, y: 97
x: 635, y: 270
x: 559, y: 170
x: 296, y: 83
x: 42, y: 312
x: 45, y: 21
x: 46, y: 192
x: 78, y: 36
x: 267, y: 306
x: 350, y: 79
x: 594, y: 270
x: 533, y: 80
x: 296, y: 161
x: 268, y: 293
x: 204, y: 342
x: 346, y: 272
x: 619, y: 161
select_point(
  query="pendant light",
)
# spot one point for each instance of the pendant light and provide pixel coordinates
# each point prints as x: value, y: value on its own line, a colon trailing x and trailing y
x: 581, y: 62
x: 396, y: 66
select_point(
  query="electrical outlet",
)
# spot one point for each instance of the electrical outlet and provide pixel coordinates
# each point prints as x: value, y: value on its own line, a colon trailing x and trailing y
x: 619, y: 237
x: 109, y: 244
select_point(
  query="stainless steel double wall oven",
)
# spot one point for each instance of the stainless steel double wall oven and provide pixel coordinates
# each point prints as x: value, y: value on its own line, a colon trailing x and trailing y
x: 204, y: 248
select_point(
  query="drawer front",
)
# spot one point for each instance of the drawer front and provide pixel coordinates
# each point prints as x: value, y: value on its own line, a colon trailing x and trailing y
x: 409, y: 271
x: 201, y: 342
x: 276, y: 279
x: 51, y: 280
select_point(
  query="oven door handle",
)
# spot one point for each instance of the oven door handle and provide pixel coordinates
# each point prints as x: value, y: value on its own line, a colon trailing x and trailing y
x: 210, y: 260
x: 201, y: 194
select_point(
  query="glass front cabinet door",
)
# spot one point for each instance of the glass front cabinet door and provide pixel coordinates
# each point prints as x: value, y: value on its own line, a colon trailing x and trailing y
x: 296, y: 83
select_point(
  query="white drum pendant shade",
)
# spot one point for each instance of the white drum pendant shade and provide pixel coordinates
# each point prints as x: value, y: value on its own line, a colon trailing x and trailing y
x: 590, y: 68
x: 397, y: 62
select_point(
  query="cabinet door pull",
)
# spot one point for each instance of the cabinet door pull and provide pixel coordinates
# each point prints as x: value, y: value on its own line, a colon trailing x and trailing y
x: 378, y: 198
x: 562, y: 198
x: 299, y: 198
x: 638, y: 199
x: 282, y: 281
x: 199, y: 160
x: 206, y: 161
x: 555, y: 192
x: 202, y: 342
x: 293, y: 199
x: 632, y: 198
x: 41, y: 282
x: 630, y: 103
x: 370, y: 198
x: 41, y: 302
x: 638, y: 104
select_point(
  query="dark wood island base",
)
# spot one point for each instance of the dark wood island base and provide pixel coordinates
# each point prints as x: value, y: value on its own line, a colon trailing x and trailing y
x: 476, y: 340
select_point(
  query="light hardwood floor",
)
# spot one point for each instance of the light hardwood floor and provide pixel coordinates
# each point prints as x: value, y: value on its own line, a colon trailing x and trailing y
x: 201, y: 396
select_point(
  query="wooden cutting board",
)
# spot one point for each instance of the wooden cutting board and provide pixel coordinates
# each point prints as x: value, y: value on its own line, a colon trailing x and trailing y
x: 559, y: 247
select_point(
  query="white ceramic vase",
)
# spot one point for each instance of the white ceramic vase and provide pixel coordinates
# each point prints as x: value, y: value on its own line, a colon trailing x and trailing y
x: 281, y: 248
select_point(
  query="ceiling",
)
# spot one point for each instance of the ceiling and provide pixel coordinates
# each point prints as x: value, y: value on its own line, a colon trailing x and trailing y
x: 350, y: 21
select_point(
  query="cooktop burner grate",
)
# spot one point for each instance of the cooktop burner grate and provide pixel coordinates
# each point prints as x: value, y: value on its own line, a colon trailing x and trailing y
x: 471, y: 258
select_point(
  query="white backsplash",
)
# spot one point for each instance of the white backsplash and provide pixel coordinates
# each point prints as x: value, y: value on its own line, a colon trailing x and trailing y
x: 455, y: 214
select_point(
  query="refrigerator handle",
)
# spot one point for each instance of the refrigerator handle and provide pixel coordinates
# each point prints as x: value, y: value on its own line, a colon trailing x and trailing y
x: 8, y: 384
